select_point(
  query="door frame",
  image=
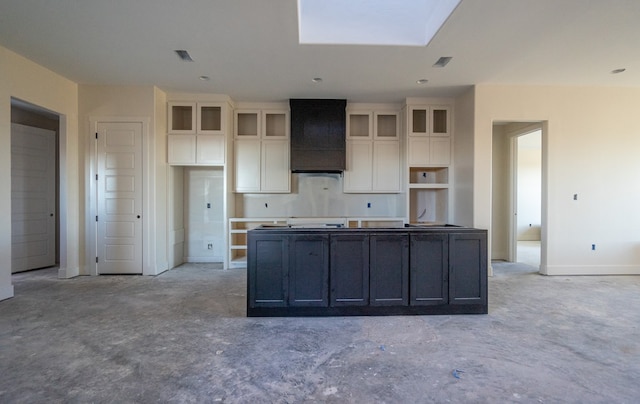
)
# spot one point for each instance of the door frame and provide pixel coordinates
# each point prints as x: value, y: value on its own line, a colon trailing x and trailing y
x: 148, y: 189
x: 542, y: 125
x: 513, y: 184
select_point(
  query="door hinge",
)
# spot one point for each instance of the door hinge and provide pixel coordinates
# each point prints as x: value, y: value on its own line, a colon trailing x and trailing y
x: 96, y: 177
x: 96, y: 218
x: 96, y: 135
x: 96, y: 260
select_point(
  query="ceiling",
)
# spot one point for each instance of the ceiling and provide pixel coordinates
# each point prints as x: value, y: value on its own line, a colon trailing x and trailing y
x: 250, y: 49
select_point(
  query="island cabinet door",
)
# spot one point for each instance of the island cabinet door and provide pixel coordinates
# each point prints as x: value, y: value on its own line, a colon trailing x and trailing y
x: 468, y: 268
x: 349, y: 270
x: 267, y: 267
x: 309, y: 270
x: 429, y: 269
x: 389, y: 270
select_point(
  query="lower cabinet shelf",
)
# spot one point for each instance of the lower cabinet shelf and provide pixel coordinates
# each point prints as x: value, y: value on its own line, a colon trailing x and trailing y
x: 338, y: 272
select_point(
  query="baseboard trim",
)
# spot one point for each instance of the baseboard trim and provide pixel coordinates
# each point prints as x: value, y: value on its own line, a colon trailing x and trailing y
x: 592, y: 270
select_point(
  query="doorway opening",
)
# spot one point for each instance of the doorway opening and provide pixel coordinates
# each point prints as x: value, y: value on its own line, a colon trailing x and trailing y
x: 35, y: 190
x: 517, y: 192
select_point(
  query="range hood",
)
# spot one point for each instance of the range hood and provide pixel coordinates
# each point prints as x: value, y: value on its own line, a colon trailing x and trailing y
x: 318, y: 129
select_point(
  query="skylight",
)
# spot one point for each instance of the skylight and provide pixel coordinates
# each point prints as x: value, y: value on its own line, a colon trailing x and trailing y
x: 372, y: 22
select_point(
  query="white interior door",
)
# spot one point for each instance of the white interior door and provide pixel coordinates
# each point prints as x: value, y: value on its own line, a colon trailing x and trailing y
x: 119, y: 198
x: 33, y: 198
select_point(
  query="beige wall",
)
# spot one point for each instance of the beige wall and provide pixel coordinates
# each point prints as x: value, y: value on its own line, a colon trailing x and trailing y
x: 463, y: 159
x: 591, y: 142
x: 28, y: 81
x: 147, y: 104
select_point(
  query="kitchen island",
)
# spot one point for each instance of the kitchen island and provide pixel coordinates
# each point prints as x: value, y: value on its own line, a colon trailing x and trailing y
x: 337, y: 271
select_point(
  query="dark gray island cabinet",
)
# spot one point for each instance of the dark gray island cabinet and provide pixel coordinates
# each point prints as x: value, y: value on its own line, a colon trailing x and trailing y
x: 366, y: 271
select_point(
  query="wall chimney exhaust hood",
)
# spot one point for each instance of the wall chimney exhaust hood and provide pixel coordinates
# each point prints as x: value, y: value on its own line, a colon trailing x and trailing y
x: 318, y: 129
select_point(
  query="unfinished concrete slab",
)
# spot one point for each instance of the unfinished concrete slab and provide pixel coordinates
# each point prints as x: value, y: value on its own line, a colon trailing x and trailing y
x: 183, y: 337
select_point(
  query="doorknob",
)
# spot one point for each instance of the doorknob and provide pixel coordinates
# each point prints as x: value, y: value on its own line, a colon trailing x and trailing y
x: 138, y: 216
x: 51, y: 214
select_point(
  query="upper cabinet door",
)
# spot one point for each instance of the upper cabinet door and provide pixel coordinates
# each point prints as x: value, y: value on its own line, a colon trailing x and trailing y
x: 182, y: 117
x: 210, y: 150
x: 418, y: 121
x: 359, y: 125
x: 275, y: 124
x: 440, y: 121
x: 386, y: 126
x: 386, y: 167
x: 210, y: 119
x: 247, y: 165
x: 275, y: 175
x: 247, y: 124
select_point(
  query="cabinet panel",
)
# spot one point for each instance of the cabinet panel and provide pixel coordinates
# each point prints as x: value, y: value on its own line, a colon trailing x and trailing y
x: 309, y: 270
x: 210, y: 149
x: 357, y: 177
x: 274, y: 174
x: 275, y: 124
x: 419, y: 121
x: 181, y: 149
x: 389, y: 270
x: 440, y: 121
x: 349, y: 270
x: 268, y: 269
x: 468, y: 269
x: 386, y: 125
x: 429, y: 268
x: 210, y: 119
x: 440, y: 151
x: 359, y: 125
x: 247, y: 124
x: 386, y: 166
x: 182, y: 117
x: 247, y: 165
x: 418, y: 149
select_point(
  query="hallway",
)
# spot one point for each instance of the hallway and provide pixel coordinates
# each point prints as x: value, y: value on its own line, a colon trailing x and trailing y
x: 183, y: 337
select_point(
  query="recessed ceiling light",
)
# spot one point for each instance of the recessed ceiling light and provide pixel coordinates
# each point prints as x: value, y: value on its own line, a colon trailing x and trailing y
x: 616, y: 71
x: 422, y: 81
x: 442, y: 62
x: 184, y: 55
x: 317, y: 79
x: 204, y: 78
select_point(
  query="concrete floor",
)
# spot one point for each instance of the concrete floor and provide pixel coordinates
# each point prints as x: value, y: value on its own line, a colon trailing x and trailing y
x: 182, y: 337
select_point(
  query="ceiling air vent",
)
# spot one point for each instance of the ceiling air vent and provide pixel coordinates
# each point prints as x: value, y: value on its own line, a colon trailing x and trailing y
x: 442, y: 62
x: 184, y: 55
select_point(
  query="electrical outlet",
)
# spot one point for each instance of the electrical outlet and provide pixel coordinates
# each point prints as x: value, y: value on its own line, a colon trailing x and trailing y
x: 210, y: 246
x: 368, y: 204
x: 593, y: 247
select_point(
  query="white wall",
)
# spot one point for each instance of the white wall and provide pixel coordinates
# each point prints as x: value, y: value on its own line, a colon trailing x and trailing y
x: 592, y: 139
x: 319, y: 195
x: 204, y: 214
x: 28, y: 81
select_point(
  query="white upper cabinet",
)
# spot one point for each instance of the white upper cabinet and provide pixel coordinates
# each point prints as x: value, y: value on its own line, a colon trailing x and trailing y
x: 261, y: 124
x: 373, y: 152
x: 262, y: 151
x: 197, y: 133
